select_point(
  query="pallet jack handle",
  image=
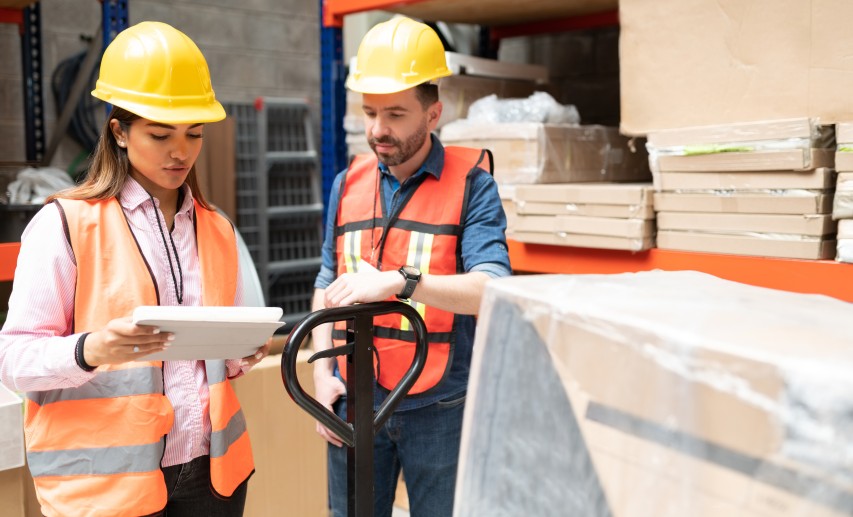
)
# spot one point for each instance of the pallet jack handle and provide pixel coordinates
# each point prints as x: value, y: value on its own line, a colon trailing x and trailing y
x: 359, y: 344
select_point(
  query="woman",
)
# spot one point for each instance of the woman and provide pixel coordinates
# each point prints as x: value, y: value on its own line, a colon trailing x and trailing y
x: 109, y: 433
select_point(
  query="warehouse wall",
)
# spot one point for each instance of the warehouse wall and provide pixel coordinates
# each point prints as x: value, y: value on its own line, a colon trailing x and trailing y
x: 253, y: 48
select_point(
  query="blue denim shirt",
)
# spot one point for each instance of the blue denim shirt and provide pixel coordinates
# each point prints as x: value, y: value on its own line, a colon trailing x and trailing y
x: 483, y: 249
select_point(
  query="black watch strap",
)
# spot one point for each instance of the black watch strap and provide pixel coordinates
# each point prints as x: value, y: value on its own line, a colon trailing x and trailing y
x: 411, y: 284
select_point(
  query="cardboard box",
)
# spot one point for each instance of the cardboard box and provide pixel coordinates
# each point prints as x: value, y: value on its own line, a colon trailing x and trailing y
x: 818, y: 179
x: 843, y: 204
x: 583, y: 241
x: 802, y: 132
x: 811, y: 225
x: 795, y: 201
x: 845, y: 251
x: 845, y: 229
x: 578, y: 224
x: 639, y: 194
x: 12, y: 491
x: 756, y: 245
x: 844, y: 133
x: 784, y: 160
x: 11, y: 429
x: 530, y: 152
x: 511, y: 212
x: 701, y: 62
x: 591, y: 210
x: 290, y: 457
x: 843, y: 161
x: 216, y: 166
x: 671, y: 394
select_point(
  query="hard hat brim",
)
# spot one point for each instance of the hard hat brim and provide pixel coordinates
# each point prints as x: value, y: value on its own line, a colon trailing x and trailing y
x: 385, y: 85
x: 213, y: 112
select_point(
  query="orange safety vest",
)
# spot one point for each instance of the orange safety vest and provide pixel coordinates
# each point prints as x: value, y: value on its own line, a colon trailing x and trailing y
x: 95, y: 450
x: 425, y: 233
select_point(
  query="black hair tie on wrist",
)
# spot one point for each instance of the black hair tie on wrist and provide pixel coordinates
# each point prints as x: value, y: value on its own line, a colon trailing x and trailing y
x: 78, y: 354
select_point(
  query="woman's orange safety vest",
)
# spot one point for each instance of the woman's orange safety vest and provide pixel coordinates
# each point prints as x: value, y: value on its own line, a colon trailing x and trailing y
x: 425, y: 233
x: 95, y: 450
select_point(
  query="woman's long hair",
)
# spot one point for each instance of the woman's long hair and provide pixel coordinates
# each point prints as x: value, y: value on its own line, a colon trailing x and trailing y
x: 110, y: 166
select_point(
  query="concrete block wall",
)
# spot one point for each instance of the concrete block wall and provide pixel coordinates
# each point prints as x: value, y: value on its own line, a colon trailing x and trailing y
x: 253, y: 48
x: 583, y: 67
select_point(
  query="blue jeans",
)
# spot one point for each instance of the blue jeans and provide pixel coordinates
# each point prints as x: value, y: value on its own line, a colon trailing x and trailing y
x: 424, y: 443
x: 191, y: 495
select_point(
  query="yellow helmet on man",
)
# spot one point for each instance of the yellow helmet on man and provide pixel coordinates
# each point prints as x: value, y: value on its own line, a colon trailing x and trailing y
x: 397, y: 55
x: 156, y: 71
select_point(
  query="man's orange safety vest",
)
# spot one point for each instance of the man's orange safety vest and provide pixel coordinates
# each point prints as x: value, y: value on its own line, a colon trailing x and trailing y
x: 95, y: 450
x: 424, y: 232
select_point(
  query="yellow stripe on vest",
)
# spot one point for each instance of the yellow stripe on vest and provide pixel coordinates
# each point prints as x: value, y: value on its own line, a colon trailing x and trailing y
x: 352, y: 251
x: 420, y: 253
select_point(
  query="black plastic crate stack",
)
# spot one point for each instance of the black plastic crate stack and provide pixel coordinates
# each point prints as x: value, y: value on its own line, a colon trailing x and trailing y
x: 279, y: 205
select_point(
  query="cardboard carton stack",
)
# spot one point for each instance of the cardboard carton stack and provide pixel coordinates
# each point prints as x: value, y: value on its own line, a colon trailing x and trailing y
x: 534, y: 152
x: 760, y: 188
x: 472, y: 79
x: 591, y: 215
x: 842, y: 208
x: 664, y: 394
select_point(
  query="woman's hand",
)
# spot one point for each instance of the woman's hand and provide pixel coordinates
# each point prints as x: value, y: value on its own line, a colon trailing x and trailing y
x: 122, y: 341
x: 251, y: 360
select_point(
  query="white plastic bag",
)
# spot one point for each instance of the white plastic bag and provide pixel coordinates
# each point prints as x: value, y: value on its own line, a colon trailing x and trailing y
x: 32, y: 186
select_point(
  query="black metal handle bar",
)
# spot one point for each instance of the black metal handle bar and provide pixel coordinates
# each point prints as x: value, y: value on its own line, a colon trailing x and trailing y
x: 365, y: 310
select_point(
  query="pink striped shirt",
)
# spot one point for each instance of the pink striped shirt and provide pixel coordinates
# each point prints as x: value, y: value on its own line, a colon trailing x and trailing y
x: 37, y: 349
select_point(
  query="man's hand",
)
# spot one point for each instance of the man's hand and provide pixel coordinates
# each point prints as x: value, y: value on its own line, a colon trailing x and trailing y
x: 351, y: 288
x: 328, y: 389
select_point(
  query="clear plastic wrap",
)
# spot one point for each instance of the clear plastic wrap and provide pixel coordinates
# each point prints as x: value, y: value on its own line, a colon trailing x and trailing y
x: 533, y: 152
x: 772, y: 145
x: 539, y: 107
x: 657, y: 394
x: 842, y: 205
x: 844, y: 251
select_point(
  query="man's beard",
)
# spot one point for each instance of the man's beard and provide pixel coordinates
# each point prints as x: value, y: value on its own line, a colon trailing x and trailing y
x: 403, y: 151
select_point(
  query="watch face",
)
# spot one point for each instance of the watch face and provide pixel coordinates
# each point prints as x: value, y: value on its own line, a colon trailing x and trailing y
x: 411, y: 271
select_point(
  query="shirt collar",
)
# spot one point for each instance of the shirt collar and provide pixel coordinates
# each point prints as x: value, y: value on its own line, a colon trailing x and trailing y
x: 433, y: 164
x: 133, y: 195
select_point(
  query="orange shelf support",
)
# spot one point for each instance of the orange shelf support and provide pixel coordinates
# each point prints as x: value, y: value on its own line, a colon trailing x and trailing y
x: 801, y: 276
x: 8, y: 260
x: 335, y: 10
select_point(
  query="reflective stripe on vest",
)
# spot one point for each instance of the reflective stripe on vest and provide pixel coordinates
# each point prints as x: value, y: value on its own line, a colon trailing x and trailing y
x: 107, y: 462
x: 424, y: 233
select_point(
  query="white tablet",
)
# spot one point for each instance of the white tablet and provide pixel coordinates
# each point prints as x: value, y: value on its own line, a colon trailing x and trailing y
x: 210, y: 332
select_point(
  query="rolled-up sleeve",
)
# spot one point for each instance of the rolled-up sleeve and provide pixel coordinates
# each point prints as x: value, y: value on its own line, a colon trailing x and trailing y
x: 328, y: 264
x: 484, y: 246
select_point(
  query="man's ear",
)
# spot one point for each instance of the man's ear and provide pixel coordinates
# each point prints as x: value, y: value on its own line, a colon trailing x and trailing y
x: 434, y: 114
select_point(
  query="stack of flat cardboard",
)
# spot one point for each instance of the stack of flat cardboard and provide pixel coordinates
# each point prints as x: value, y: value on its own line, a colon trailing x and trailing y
x: 290, y: 457
x: 761, y: 188
x: 657, y: 394
x: 591, y: 215
x: 842, y: 208
x: 472, y: 79
x: 534, y: 152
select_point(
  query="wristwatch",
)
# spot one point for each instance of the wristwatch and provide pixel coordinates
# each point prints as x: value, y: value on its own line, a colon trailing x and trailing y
x: 412, y: 276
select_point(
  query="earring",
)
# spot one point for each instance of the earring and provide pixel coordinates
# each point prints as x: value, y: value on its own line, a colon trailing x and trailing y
x: 121, y: 143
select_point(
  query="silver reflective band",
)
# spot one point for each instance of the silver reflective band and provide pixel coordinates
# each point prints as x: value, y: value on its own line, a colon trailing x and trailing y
x: 103, y: 461
x: 108, y: 384
x: 220, y: 441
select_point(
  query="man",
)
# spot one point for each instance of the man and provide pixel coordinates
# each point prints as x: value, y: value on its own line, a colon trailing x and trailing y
x: 421, y: 223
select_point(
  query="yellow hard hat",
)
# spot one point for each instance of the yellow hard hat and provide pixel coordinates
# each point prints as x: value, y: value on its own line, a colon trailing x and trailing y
x: 397, y: 55
x: 155, y: 71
